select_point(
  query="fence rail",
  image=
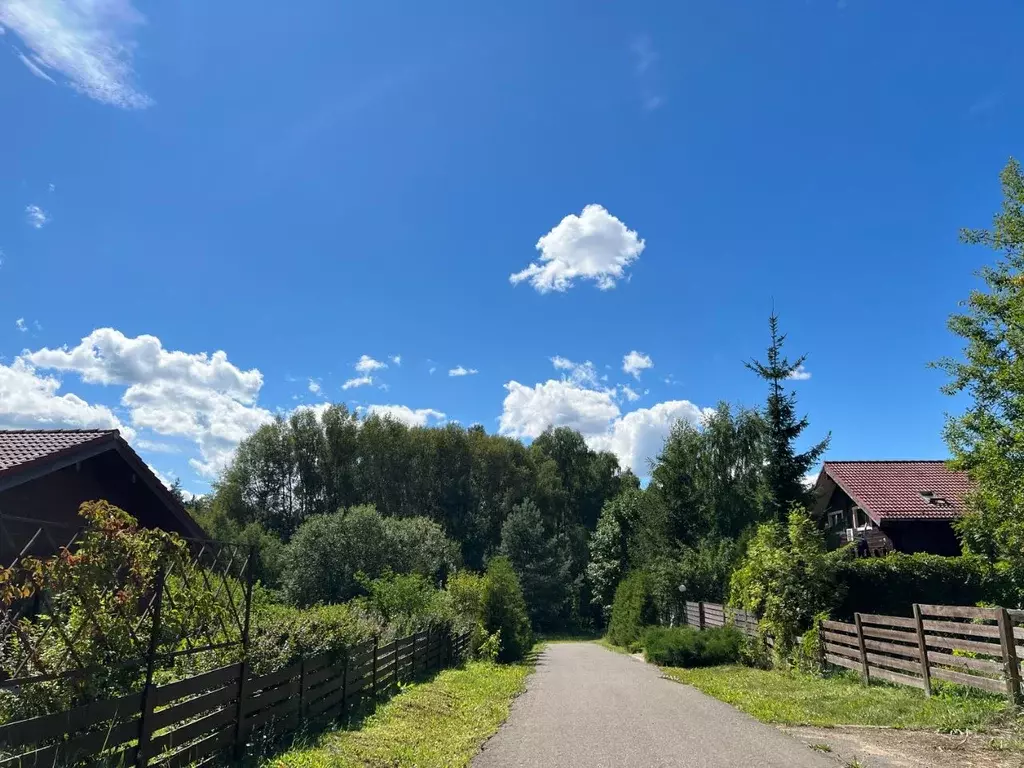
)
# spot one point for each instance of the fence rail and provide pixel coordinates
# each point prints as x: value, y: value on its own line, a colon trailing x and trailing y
x: 197, y: 719
x: 977, y: 647
x: 704, y: 615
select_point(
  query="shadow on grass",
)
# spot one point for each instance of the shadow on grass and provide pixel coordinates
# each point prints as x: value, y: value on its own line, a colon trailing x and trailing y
x: 269, y: 742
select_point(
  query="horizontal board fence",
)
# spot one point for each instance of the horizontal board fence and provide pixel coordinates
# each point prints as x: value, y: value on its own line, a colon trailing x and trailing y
x: 976, y: 647
x: 704, y: 615
x: 212, y: 716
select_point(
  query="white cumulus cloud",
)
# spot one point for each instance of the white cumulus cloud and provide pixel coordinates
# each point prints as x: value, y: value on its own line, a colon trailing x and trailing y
x: 592, y: 246
x: 461, y: 371
x: 88, y: 42
x: 30, y: 400
x: 314, y: 386
x: 577, y: 373
x: 20, y: 324
x: 799, y: 373
x: 419, y: 417
x: 635, y: 437
x: 204, y: 398
x: 358, y: 381
x: 630, y: 394
x: 366, y: 364
x: 635, y: 363
x: 36, y: 216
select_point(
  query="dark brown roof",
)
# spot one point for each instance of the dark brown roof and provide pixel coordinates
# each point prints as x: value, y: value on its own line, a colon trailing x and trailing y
x: 21, y: 447
x: 30, y: 453
x: 902, y: 490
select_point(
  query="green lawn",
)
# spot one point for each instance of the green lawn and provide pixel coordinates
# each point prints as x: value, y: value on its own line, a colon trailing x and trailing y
x: 795, y: 699
x: 441, y: 722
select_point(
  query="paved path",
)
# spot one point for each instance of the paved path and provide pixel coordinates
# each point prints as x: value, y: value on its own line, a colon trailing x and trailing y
x: 587, y: 707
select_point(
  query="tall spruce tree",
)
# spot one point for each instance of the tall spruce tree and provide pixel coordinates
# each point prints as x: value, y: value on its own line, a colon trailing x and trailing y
x: 783, y: 484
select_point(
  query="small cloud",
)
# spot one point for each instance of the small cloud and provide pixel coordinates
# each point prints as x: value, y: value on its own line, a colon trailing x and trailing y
x: 20, y: 324
x: 358, y: 381
x: 156, y: 447
x: 36, y: 216
x: 631, y: 394
x: 37, y: 325
x: 366, y: 364
x: 314, y: 386
x: 53, y: 187
x: 583, y: 374
x: 636, y: 362
x: 397, y: 360
x: 985, y: 104
x: 592, y: 246
x: 432, y: 369
x: 34, y: 69
x: 645, y: 60
x: 460, y: 371
x: 799, y: 374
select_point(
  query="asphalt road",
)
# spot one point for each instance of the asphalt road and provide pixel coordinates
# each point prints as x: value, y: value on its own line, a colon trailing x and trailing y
x: 587, y: 707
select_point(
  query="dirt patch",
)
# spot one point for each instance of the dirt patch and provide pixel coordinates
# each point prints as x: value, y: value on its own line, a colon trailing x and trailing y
x: 891, y: 748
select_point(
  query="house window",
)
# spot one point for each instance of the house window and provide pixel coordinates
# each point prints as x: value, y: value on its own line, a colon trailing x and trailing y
x: 859, y: 518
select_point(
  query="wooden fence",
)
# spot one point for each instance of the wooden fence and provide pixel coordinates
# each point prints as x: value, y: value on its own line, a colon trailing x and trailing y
x: 704, y: 615
x: 199, y: 719
x: 976, y: 647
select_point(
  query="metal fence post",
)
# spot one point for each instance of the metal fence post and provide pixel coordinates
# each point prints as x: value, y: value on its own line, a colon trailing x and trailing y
x: 149, y: 691
x: 243, y: 671
x: 922, y: 645
x: 1010, y: 662
x: 866, y: 671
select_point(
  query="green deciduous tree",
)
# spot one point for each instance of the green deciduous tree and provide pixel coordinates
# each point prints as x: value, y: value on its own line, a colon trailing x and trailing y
x: 785, y: 468
x: 987, y: 439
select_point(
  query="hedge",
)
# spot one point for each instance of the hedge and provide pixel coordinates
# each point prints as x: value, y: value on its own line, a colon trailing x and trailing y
x: 892, y: 584
x: 689, y: 647
x: 632, y: 610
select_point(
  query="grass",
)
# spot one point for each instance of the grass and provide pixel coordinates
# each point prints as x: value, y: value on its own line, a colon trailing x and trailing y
x: 441, y: 722
x: 794, y: 699
x: 604, y: 642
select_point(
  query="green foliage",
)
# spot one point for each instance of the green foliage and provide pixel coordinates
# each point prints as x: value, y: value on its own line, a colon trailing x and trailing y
x: 632, y: 610
x: 689, y: 647
x: 490, y: 648
x: 327, y: 555
x: 465, y: 592
x: 891, y: 585
x: 268, y: 547
x: 540, y: 563
x: 406, y: 603
x: 784, y: 469
x: 503, y: 609
x: 707, y: 479
x: 786, y: 578
x: 93, y: 619
x: 629, y: 533
x: 282, y: 634
x: 987, y: 439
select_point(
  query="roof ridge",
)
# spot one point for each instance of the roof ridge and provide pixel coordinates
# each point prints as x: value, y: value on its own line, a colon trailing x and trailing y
x: 886, y: 461
x: 60, y: 431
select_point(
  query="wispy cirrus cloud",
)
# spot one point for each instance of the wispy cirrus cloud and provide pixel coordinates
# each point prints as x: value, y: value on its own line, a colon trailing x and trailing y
x: 36, y: 216
x: 90, y: 43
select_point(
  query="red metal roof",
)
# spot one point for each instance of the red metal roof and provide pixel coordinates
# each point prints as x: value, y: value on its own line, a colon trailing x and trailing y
x: 892, y: 490
x: 19, y: 447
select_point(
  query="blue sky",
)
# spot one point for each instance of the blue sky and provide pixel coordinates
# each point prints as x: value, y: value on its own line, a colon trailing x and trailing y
x: 295, y: 189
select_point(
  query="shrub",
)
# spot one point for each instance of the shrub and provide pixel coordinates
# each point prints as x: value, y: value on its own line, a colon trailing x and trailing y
x: 283, y: 634
x: 787, y: 578
x: 689, y: 647
x: 503, y: 609
x: 892, y: 584
x: 632, y: 610
x: 406, y: 603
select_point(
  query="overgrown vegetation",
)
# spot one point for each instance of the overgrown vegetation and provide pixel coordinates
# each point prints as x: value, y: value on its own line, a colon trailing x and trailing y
x: 440, y: 723
x: 632, y: 610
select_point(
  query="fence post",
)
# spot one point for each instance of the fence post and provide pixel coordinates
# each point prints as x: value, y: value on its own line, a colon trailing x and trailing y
x: 373, y: 687
x: 344, y: 685
x: 412, y: 665
x: 923, y: 647
x: 149, y: 691
x: 866, y: 672
x: 700, y: 615
x: 1010, y: 663
x: 302, y: 688
x: 243, y: 670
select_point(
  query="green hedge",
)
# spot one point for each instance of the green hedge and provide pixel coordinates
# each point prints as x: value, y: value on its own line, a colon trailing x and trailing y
x: 632, y: 610
x: 688, y: 647
x: 892, y: 584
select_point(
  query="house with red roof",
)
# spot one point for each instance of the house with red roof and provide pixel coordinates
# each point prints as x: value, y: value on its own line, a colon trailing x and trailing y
x: 902, y: 506
x: 46, y: 474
